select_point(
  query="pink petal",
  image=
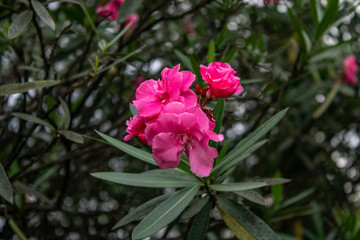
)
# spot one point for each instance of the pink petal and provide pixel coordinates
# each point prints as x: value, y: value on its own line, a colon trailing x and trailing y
x: 167, y: 150
x: 201, y: 158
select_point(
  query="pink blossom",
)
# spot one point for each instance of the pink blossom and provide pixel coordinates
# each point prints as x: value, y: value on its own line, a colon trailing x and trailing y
x: 221, y: 79
x: 136, y: 128
x: 132, y: 19
x: 178, y: 128
x: 152, y: 96
x: 350, y: 69
x: 110, y: 9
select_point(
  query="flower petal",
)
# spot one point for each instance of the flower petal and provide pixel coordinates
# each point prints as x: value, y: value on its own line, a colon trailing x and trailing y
x: 167, y: 150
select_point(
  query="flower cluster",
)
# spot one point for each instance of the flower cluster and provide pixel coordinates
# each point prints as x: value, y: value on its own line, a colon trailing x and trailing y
x: 171, y: 120
x: 111, y: 9
x: 350, y: 69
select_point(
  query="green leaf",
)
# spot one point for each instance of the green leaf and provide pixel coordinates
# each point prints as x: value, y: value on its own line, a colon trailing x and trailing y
x: 165, y: 213
x: 33, y: 119
x: 12, y: 88
x: 43, y: 14
x: 72, y: 136
x: 211, y: 52
x: 169, y: 173
x: 195, y: 206
x: 251, y: 139
x: 142, y: 210
x: 233, y: 187
x: 133, y: 109
x: 184, y: 60
x: 299, y: 30
x: 231, y: 55
x: 277, y: 191
x: 199, y: 229
x: 222, y: 153
x: 121, y: 60
x: 297, y: 198
x: 127, y: 9
x: 5, y: 187
x: 242, y: 156
x: 328, y: 19
x: 252, y: 196
x: 65, y: 119
x: 243, y: 222
x: 272, y: 181
x: 132, y: 151
x: 144, y: 180
x: 316, y: 10
x: 195, y: 66
x: 219, y: 113
x: 19, y: 24
x: 16, y: 229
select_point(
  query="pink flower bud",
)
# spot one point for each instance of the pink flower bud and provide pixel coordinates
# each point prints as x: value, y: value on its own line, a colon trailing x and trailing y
x: 221, y: 79
x: 132, y: 20
x: 350, y: 69
x: 109, y: 10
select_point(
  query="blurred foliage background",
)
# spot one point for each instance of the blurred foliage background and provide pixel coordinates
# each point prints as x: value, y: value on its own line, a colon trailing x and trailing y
x: 287, y: 54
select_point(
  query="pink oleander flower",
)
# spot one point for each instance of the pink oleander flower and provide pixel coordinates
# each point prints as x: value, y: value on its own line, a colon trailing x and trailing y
x: 136, y: 128
x: 350, y: 69
x: 132, y: 19
x: 178, y: 128
x: 174, y: 86
x: 221, y: 79
x: 110, y: 9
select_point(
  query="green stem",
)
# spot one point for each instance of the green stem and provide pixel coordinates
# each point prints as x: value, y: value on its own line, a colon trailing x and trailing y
x: 16, y: 229
x: 329, y: 98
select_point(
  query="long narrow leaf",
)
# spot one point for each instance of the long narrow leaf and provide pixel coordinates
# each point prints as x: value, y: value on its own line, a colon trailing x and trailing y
x: 19, y: 23
x: 195, y: 207
x: 328, y: 19
x: 211, y: 51
x: 43, y: 14
x: 65, y: 119
x: 252, y: 196
x: 184, y: 59
x: 233, y: 187
x: 33, y: 119
x: 251, y: 139
x: 144, y: 180
x: 243, y: 222
x: 5, y: 187
x: 142, y: 210
x: 165, y: 213
x: 199, y: 229
x: 132, y: 151
x: 12, y: 88
x: 243, y: 156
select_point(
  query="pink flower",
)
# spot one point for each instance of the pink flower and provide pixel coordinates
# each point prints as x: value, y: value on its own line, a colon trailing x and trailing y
x: 110, y: 10
x: 136, y: 128
x: 350, y: 69
x: 132, y: 19
x: 178, y: 128
x: 152, y: 96
x: 221, y: 79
